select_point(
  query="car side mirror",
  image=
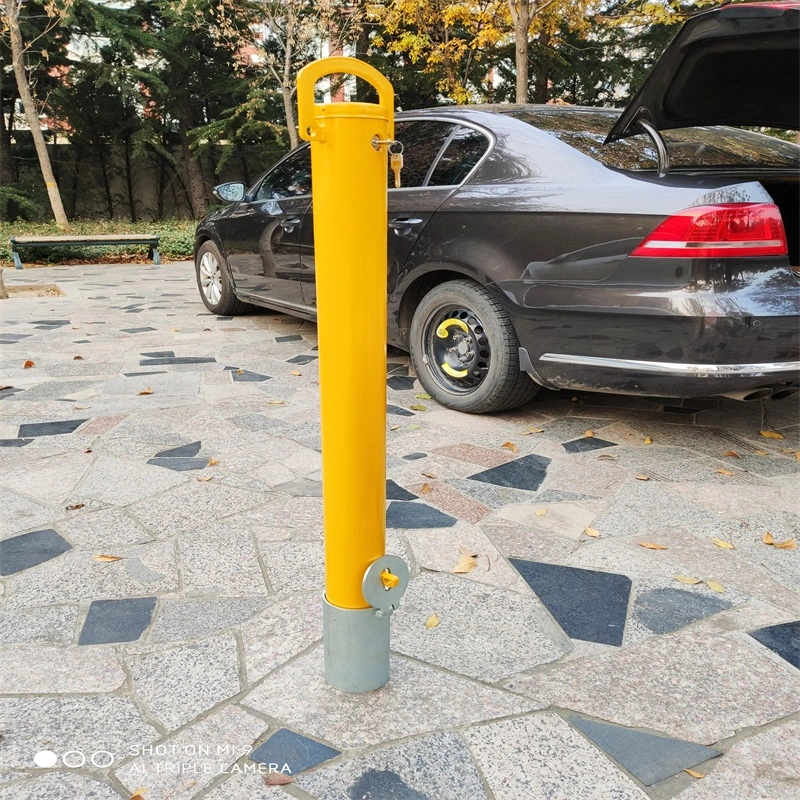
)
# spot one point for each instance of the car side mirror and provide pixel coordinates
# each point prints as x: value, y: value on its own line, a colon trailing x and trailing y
x: 230, y: 192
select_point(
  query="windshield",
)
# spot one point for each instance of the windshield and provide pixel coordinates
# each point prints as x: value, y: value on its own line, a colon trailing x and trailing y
x: 711, y: 146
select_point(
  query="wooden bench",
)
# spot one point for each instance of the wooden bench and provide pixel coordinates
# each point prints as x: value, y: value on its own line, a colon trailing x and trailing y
x: 84, y: 241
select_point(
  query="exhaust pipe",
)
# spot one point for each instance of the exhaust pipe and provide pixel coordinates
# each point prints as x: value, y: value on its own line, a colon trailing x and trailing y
x: 781, y: 392
x: 747, y: 395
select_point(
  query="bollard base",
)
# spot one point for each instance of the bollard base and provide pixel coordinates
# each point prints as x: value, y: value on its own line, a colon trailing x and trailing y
x: 356, y: 643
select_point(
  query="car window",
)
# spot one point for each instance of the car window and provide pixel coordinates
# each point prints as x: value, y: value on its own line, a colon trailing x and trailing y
x: 422, y: 140
x: 465, y: 150
x: 290, y: 178
x: 707, y: 146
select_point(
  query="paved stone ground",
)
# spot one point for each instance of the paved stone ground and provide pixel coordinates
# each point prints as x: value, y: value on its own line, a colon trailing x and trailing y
x: 571, y: 663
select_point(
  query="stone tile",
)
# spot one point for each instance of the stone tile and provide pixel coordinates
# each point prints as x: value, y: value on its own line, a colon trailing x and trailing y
x: 400, y: 383
x: 451, y: 501
x: 60, y: 786
x: 649, y: 758
x: 588, y: 605
x: 103, y: 530
x: 120, y: 482
x: 227, y: 733
x: 294, y: 337
x: 31, y: 724
x: 763, y: 766
x: 484, y: 632
x: 489, y: 495
x: 436, y: 767
x: 586, y: 444
x: 398, y: 411
x: 180, y: 464
x: 160, y: 362
x: 298, y: 752
x: 29, y: 550
x: 563, y: 519
x: 521, y: 541
x: 575, y: 474
x: 483, y: 456
x: 730, y: 683
x: 525, y: 473
x: 191, y: 619
x: 117, y: 620
x: 416, y: 515
x: 411, y: 456
x: 249, y: 377
x: 101, y: 425
x: 14, y: 442
x: 49, y: 479
x: 178, y: 684
x: 418, y: 699
x: 280, y: 632
x: 36, y: 669
x: 781, y: 639
x: 182, y: 451
x: 541, y: 756
x: 301, y: 359
x: 396, y: 492
x: 48, y: 624
x: 33, y: 429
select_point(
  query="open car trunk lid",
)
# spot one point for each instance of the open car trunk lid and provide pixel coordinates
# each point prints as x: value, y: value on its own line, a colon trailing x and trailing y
x: 735, y: 65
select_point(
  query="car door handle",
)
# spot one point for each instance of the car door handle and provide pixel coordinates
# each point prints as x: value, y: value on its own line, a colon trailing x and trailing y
x: 405, y: 222
x: 290, y: 223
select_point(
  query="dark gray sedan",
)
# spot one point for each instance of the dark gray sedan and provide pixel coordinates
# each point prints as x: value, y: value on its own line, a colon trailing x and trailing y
x: 654, y: 252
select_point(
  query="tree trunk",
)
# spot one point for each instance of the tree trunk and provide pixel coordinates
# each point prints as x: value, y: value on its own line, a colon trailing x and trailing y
x: 6, y: 163
x: 32, y: 116
x: 541, y: 91
x: 3, y: 292
x: 288, y: 110
x: 129, y: 180
x: 194, y: 170
x: 521, y: 17
x: 101, y: 157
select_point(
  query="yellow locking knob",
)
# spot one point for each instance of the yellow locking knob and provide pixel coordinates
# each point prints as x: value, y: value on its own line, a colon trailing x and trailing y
x: 388, y: 580
x: 442, y: 331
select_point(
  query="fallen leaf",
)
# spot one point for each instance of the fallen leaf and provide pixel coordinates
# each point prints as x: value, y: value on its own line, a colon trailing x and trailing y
x: 426, y: 488
x: 797, y: 455
x: 652, y: 546
x: 418, y: 407
x: 642, y: 477
x: 432, y: 621
x: 715, y: 586
x: 81, y: 408
x: 762, y: 453
x: 429, y: 475
x: 394, y: 428
x: 296, y: 373
x: 606, y: 457
x: 466, y: 563
x: 212, y: 462
x: 28, y: 364
x: 3, y: 388
x: 148, y: 390
x: 467, y: 551
x: 767, y: 538
x: 275, y: 402
x: 531, y: 430
x: 77, y: 358
x: 105, y: 558
x: 205, y: 478
x: 175, y: 330
x: 277, y: 779
x: 595, y: 534
x: 414, y: 426
x: 686, y: 579
x: 588, y: 434
x: 240, y: 371
x: 648, y: 440
x: 722, y: 471
x: 771, y: 434
x: 789, y: 544
x: 422, y: 396
x: 138, y: 794
x: 731, y: 454
x: 91, y: 334
x: 723, y: 544
x: 574, y: 399
x: 540, y: 512
x: 510, y: 446
x: 75, y: 506
x: 694, y: 773
x: 88, y: 450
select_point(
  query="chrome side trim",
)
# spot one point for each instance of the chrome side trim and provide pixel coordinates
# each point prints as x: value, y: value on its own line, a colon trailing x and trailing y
x: 689, y: 370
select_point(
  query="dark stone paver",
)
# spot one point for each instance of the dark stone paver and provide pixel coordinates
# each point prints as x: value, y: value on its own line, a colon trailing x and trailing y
x: 30, y: 549
x: 396, y: 492
x: 526, y: 473
x: 783, y: 639
x: 184, y: 451
x: 400, y: 383
x: 298, y: 752
x: 160, y: 362
x: 180, y: 464
x: 398, y: 411
x: 301, y: 359
x: 414, y: 456
x: 14, y: 442
x: 249, y: 377
x: 665, y: 609
x: 416, y: 515
x: 586, y: 444
x: 49, y: 428
x: 294, y: 337
x: 160, y: 354
x: 117, y: 620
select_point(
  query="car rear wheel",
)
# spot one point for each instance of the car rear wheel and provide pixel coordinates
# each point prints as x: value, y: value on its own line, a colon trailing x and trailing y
x: 213, y: 280
x: 465, y: 350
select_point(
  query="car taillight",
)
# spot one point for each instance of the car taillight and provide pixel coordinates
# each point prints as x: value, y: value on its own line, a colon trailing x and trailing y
x: 729, y: 230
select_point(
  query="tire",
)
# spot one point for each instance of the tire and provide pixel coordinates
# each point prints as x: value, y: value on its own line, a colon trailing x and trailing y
x: 479, y: 347
x: 214, y: 283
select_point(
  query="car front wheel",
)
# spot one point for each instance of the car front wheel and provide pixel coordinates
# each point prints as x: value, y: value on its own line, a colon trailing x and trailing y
x: 213, y: 280
x: 465, y: 350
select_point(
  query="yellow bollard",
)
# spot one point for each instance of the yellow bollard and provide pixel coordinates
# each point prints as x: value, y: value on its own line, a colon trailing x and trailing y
x: 349, y: 145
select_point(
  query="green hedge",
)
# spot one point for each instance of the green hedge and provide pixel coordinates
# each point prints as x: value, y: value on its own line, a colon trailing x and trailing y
x: 177, y: 240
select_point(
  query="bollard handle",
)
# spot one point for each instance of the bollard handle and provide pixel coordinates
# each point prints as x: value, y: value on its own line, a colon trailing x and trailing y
x: 307, y: 117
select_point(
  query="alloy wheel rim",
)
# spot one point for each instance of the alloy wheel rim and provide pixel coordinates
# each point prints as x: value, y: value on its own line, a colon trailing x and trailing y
x: 211, y: 278
x: 457, y: 350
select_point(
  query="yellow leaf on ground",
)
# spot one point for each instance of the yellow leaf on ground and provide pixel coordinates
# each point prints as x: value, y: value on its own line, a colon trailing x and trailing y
x: 642, y: 477
x: 771, y: 434
x: 275, y: 402
x: 81, y: 408
x: 296, y: 373
x: 466, y: 563
x: 28, y: 364
x: 694, y: 773
x: 429, y: 475
x: 652, y: 546
x: 77, y: 358
x: 531, y: 430
x: 414, y: 426
x: 762, y: 453
x: 767, y: 538
x: 686, y: 579
x: 595, y: 534
x: 418, y: 407
x: 731, y: 454
x: 723, y: 544
x: 606, y: 457
x: 212, y: 462
x: 240, y: 371
x: 467, y: 551
x: 510, y: 446
x: 725, y: 472
x: 715, y: 587
x: 540, y: 512
x: 588, y: 434
x: 432, y: 621
x: 138, y: 794
x: 75, y: 506
x: 205, y: 478
x: 103, y: 557
x: 789, y: 544
x: 648, y: 440
x: 174, y: 330
x: 426, y: 488
x: 422, y: 396
x: 394, y: 428
x: 148, y: 390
